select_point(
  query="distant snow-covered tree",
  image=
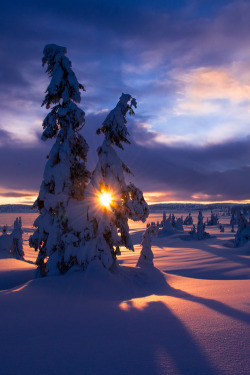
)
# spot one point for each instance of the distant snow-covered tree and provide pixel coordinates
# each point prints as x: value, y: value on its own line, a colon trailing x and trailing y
x: 243, y: 233
x: 213, y: 219
x: 193, y: 230
x: 222, y: 229
x: 200, y: 227
x: 65, y: 175
x: 173, y: 220
x: 4, y: 229
x: 146, y: 255
x: 188, y: 220
x: 199, y: 233
x: 17, y: 243
x: 178, y: 224
x: 111, y: 200
x: 233, y: 220
x: 167, y: 228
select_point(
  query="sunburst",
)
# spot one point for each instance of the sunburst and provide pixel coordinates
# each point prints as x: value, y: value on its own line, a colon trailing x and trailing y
x: 106, y: 198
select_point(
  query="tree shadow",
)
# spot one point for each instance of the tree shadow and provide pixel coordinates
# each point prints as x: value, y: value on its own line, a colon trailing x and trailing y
x: 220, y: 264
x: 230, y: 254
x: 95, y: 321
x: 212, y: 304
x: 162, y: 343
x: 155, y: 322
x: 158, y: 285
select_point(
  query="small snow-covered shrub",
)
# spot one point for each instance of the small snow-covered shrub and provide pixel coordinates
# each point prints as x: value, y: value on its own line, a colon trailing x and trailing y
x: 146, y: 255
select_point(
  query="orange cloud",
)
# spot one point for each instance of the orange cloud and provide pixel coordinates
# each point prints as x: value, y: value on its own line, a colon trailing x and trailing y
x: 155, y: 197
x: 215, y: 84
x: 17, y: 196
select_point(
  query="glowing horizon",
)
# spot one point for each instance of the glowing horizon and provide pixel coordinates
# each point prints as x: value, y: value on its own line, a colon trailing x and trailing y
x: 106, y: 198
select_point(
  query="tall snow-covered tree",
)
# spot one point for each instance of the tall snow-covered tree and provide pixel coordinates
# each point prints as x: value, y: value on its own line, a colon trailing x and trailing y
x: 65, y: 175
x: 111, y: 200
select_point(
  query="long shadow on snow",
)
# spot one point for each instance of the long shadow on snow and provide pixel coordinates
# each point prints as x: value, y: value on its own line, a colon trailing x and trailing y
x: 160, y: 342
x: 226, y: 272
x: 96, y: 335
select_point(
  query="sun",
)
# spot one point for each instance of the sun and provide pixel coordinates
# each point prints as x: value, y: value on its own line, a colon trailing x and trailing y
x: 105, y: 198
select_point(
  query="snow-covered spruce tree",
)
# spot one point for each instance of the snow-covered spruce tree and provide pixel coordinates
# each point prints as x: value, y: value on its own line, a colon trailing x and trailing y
x: 222, y: 229
x: 178, y: 224
x: 4, y: 229
x: 17, y: 236
x: 173, y: 220
x: 213, y: 220
x: 167, y: 228
x: 65, y: 175
x: 146, y: 255
x: 243, y: 233
x: 200, y: 227
x: 111, y: 200
x: 201, y: 233
x: 188, y: 220
x: 164, y: 217
x: 233, y: 220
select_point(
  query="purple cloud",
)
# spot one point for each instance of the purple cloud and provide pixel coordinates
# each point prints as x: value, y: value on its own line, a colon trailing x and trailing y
x: 219, y: 171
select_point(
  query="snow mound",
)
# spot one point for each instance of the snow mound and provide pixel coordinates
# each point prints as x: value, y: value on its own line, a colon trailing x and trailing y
x: 98, y: 283
x: 14, y: 272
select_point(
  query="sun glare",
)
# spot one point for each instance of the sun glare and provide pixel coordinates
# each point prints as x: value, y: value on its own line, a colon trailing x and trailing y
x: 105, y: 198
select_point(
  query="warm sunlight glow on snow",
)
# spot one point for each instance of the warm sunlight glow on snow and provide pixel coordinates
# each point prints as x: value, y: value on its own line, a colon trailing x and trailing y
x: 105, y: 198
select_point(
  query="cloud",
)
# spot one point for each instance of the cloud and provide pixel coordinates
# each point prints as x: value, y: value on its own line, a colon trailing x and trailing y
x: 132, y: 47
x: 206, y: 90
x: 214, y: 172
x: 14, y: 194
x: 185, y: 62
x: 219, y: 171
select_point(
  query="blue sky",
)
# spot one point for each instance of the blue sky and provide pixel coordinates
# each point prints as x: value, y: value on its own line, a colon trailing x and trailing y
x: 186, y: 63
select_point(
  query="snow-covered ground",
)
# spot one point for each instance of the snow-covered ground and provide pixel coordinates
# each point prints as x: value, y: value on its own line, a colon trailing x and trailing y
x: 189, y: 315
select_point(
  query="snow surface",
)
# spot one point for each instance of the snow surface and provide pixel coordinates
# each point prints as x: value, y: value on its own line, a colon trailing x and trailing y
x: 190, y: 315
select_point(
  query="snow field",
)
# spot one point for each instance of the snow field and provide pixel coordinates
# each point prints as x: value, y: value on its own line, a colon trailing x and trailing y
x: 193, y: 317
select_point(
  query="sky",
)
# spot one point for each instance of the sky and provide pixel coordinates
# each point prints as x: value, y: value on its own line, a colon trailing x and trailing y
x: 186, y: 62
